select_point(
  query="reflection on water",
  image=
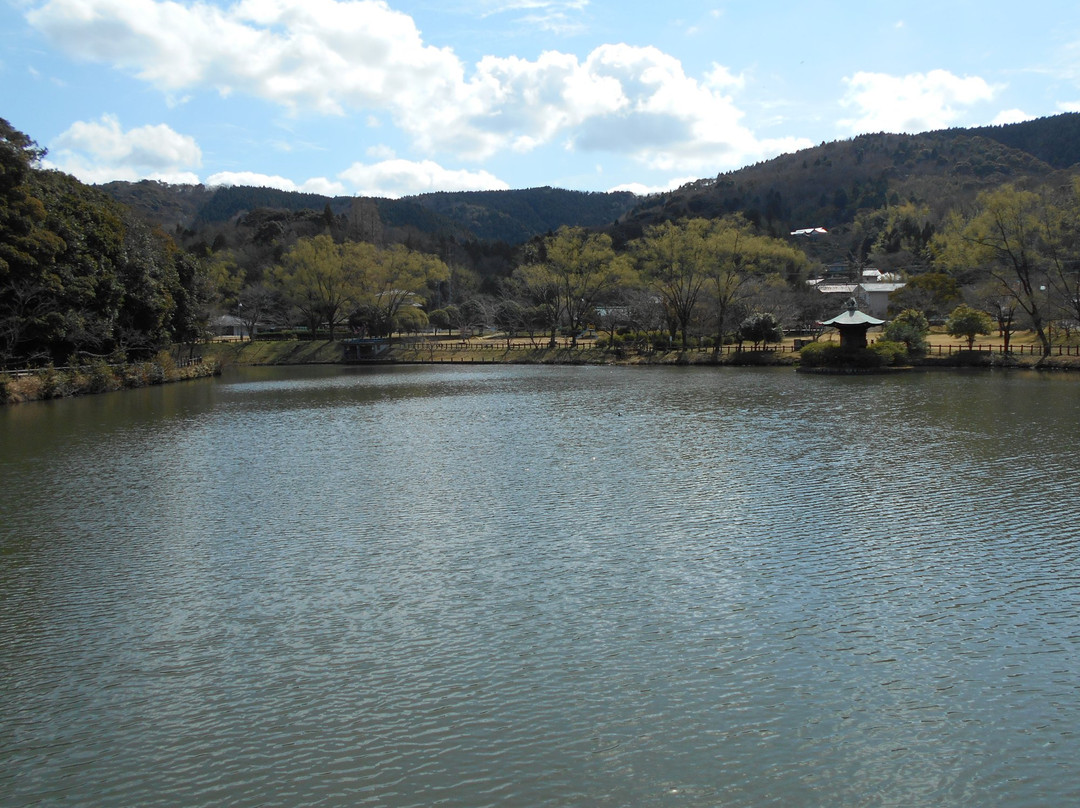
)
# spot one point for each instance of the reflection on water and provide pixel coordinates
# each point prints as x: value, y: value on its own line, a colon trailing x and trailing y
x: 565, y: 586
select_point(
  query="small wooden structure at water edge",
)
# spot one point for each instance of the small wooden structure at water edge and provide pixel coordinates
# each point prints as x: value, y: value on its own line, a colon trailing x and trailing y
x: 852, y: 325
x: 364, y: 349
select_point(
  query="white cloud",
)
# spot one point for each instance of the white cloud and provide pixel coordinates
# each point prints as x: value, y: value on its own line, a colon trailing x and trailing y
x: 324, y: 55
x: 380, y: 152
x: 1011, y: 116
x: 667, y: 120
x: 316, y: 185
x: 721, y: 78
x: 556, y: 16
x: 645, y: 190
x: 323, y: 186
x: 489, y: 7
x: 252, y: 179
x: 917, y: 102
x: 396, y: 178
x: 338, y: 56
x: 1069, y: 106
x: 100, y: 151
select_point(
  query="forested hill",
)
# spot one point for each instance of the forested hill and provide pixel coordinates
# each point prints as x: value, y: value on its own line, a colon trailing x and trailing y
x: 828, y: 185
x: 512, y: 217
x: 516, y: 216
x: 1055, y: 141
x: 198, y: 207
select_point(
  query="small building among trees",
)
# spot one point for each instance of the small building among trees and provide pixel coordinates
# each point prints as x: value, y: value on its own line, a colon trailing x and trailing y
x: 230, y: 326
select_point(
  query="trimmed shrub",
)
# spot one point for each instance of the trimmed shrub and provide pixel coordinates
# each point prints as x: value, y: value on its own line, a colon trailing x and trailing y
x: 830, y: 355
x: 817, y: 354
x: 891, y: 353
x: 761, y: 328
x: 909, y: 327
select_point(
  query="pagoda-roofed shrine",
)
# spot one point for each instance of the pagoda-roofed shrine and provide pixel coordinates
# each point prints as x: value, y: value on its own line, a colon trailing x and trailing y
x: 852, y: 325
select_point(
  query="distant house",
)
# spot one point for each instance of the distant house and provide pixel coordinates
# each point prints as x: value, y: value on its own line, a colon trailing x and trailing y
x: 228, y: 325
x: 827, y: 287
x: 872, y: 296
x: 838, y: 270
x: 876, y: 296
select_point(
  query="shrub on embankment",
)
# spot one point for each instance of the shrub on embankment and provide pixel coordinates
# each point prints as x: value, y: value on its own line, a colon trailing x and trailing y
x: 882, y: 353
x: 98, y: 376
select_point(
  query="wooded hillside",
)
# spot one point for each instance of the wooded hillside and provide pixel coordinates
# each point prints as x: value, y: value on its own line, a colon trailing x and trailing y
x: 825, y: 186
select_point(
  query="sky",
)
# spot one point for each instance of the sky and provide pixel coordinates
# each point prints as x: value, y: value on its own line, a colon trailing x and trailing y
x: 399, y: 97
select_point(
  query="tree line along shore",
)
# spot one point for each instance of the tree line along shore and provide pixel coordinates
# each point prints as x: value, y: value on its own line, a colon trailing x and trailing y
x: 95, y: 377
x: 89, y: 290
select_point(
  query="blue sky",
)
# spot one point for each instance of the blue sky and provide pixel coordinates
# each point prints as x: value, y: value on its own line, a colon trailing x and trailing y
x: 358, y: 97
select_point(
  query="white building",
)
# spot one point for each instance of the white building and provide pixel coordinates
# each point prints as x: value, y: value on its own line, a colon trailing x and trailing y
x: 871, y: 295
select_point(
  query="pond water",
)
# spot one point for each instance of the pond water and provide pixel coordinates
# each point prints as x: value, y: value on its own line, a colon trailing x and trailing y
x: 486, y: 586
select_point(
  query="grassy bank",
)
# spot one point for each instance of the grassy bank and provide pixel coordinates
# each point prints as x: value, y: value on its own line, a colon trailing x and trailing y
x: 479, y: 351
x: 495, y: 350
x: 273, y: 352
x: 99, y: 377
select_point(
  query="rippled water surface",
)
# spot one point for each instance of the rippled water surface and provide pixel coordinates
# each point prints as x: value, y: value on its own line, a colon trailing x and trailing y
x: 527, y: 586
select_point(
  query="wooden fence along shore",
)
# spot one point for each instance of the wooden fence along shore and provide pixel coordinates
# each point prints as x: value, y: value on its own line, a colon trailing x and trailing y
x: 934, y: 350
x: 493, y: 347
x: 1021, y: 350
x: 23, y: 372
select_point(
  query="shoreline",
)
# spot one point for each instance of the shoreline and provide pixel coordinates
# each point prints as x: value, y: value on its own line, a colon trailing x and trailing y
x: 51, y: 383
x: 496, y: 352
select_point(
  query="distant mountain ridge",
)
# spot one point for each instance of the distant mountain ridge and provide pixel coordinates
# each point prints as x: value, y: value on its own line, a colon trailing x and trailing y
x: 517, y: 216
x: 826, y: 185
x: 508, y: 216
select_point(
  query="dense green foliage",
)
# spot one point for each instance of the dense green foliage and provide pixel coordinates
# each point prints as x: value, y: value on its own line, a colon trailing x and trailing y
x: 512, y: 217
x: 909, y: 328
x: 517, y: 216
x: 833, y: 184
x: 932, y: 293
x: 968, y: 323
x: 79, y: 275
x: 1055, y: 141
x: 376, y: 290
x: 882, y: 353
x: 1025, y: 244
x: 761, y: 328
